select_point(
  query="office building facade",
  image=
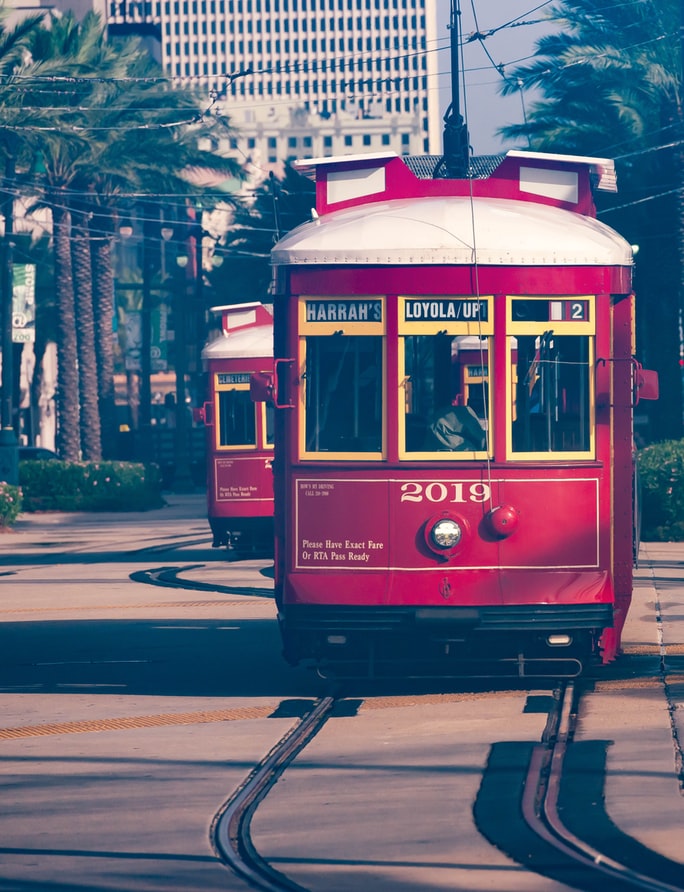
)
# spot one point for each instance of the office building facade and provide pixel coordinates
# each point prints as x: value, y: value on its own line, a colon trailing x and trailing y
x: 303, y: 77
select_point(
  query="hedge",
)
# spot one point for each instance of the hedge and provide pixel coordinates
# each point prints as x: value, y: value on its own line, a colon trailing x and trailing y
x: 661, y: 476
x: 10, y: 505
x: 89, y: 486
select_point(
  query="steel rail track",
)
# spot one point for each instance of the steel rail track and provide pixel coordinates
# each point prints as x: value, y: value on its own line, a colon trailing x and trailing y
x: 169, y: 577
x: 541, y: 795
x: 230, y: 831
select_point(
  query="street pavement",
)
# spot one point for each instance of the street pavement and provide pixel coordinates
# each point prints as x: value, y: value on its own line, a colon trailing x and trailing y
x: 129, y: 712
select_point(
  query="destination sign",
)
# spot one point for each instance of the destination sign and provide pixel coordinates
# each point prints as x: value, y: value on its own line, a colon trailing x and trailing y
x: 344, y: 311
x: 234, y: 378
x: 454, y: 309
x: 566, y: 310
x: 569, y: 310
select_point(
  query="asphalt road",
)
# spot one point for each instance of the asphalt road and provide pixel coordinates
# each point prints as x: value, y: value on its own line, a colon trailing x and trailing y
x: 131, y: 711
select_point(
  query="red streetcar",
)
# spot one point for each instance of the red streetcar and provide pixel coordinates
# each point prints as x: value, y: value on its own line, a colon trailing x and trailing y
x: 239, y: 432
x: 454, y: 386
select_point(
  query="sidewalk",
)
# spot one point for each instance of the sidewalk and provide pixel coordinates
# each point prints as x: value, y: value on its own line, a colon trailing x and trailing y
x: 636, y: 709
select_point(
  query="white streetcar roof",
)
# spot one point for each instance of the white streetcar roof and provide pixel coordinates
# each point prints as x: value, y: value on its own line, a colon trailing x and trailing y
x: 255, y: 341
x: 454, y: 230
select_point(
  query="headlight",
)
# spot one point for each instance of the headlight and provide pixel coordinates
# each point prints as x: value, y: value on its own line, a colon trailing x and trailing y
x: 446, y: 533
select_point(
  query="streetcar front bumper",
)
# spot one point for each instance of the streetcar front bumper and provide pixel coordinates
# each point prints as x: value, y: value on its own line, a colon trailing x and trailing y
x: 538, y: 639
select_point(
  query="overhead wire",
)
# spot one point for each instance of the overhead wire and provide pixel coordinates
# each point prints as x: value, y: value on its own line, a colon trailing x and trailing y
x: 214, y: 98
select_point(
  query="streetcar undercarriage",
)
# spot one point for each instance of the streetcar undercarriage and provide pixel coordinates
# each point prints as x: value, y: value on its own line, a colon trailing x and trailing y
x: 536, y: 641
x: 243, y: 534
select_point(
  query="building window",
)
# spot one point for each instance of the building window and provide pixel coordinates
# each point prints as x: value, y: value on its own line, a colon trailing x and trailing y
x: 348, y: 140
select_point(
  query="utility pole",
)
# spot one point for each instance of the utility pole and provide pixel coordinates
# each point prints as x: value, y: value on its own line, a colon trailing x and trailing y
x: 680, y: 209
x: 9, y: 453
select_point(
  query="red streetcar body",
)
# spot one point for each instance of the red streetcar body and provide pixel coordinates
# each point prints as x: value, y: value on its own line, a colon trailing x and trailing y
x: 454, y: 382
x: 239, y: 431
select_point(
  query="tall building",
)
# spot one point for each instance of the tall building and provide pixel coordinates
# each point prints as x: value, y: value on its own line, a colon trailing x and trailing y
x: 302, y: 77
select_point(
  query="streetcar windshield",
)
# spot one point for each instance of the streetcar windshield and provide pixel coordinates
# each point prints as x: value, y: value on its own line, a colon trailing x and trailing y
x: 236, y: 422
x: 551, y: 377
x: 343, y: 387
x: 446, y: 385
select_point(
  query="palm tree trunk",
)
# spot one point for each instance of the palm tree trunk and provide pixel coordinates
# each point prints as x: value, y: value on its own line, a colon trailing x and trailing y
x: 36, y: 384
x: 104, y: 306
x: 68, y: 407
x: 85, y: 333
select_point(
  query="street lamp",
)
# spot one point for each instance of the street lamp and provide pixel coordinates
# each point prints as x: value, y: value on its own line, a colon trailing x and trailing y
x: 182, y: 481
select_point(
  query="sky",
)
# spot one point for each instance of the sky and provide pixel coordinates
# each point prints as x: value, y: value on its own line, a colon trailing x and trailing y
x: 484, y: 109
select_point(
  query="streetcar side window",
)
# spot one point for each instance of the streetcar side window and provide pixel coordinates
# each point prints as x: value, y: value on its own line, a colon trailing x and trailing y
x: 446, y: 394
x: 236, y: 421
x: 269, y: 429
x: 343, y: 393
x: 551, y: 385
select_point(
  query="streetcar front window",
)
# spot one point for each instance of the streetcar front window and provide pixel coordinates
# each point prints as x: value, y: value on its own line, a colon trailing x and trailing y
x: 343, y: 387
x: 236, y: 418
x: 551, y: 408
x: 446, y: 393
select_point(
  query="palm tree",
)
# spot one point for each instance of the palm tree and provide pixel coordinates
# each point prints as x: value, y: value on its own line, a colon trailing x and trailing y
x: 610, y: 80
x: 12, y: 150
x: 144, y: 141
x: 276, y: 207
x: 91, y: 442
x: 104, y: 308
x: 153, y: 152
x: 74, y: 51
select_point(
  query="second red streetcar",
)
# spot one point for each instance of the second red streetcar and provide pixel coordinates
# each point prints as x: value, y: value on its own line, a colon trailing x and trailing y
x: 239, y: 431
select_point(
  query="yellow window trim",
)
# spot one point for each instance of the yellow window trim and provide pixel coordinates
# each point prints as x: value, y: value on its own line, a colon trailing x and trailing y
x: 444, y: 455
x: 451, y: 326
x: 235, y: 447
x: 363, y: 329
x: 346, y: 326
x: 436, y: 455
x: 343, y: 456
x: 551, y: 455
x: 558, y: 326
x: 231, y: 385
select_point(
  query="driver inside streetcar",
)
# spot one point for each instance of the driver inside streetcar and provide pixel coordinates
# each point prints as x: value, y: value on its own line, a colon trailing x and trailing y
x: 457, y: 429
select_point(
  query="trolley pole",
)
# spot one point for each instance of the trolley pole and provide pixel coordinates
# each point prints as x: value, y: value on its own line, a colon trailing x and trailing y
x: 9, y: 453
x: 456, y: 150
